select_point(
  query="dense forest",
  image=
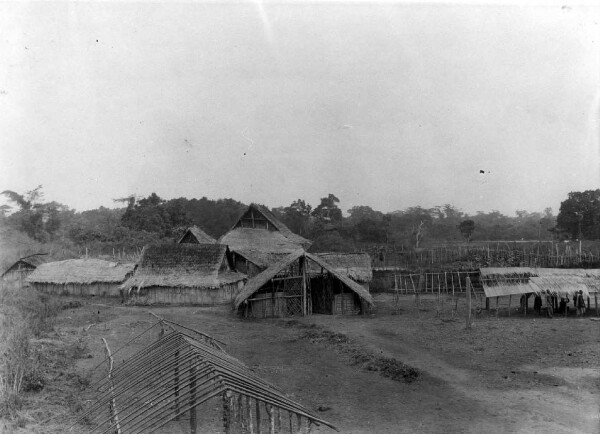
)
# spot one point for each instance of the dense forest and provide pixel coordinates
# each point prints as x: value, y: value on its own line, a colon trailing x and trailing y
x: 32, y: 224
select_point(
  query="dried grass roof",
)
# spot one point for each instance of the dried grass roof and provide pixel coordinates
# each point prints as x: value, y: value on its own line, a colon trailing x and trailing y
x: 357, y: 266
x: 261, y: 259
x: 32, y: 261
x: 499, y: 282
x: 284, y: 232
x: 258, y: 240
x: 199, y: 235
x: 82, y: 271
x: 261, y: 279
x: 184, y: 266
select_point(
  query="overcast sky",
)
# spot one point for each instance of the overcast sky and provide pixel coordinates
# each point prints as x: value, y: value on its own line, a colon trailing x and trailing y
x: 390, y: 105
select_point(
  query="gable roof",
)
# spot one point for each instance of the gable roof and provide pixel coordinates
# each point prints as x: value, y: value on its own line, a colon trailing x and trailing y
x: 82, y: 271
x: 184, y: 265
x: 32, y: 261
x: 276, y: 223
x: 357, y: 266
x: 260, y: 279
x: 220, y: 372
x: 199, y: 235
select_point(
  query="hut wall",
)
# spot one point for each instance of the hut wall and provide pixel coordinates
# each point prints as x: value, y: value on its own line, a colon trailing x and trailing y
x: 204, y: 296
x: 100, y: 289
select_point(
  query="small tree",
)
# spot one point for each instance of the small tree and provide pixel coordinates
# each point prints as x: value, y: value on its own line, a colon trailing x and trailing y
x: 466, y: 228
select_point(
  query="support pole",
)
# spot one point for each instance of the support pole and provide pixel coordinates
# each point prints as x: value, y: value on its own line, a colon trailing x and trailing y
x: 468, y: 289
x: 113, y: 404
x: 193, y: 422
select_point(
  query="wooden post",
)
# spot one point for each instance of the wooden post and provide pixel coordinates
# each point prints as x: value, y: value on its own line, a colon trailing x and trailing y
x: 596, y: 302
x: 257, y: 416
x: 226, y: 413
x: 497, y: 308
x: 176, y: 384
x: 193, y: 422
x: 302, y: 263
x: 509, y: 300
x: 271, y: 414
x: 113, y: 404
x: 468, y: 302
x: 249, y: 415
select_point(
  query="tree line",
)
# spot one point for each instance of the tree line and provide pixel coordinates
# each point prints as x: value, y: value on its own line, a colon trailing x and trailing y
x: 139, y: 221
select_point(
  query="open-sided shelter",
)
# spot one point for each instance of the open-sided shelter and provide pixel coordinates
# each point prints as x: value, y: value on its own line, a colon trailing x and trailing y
x: 87, y: 277
x: 258, y: 239
x: 525, y: 281
x: 195, y: 235
x: 185, y: 274
x: 23, y: 267
x: 287, y: 288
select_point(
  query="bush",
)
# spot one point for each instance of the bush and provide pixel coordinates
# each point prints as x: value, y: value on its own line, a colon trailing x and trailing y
x: 24, y: 314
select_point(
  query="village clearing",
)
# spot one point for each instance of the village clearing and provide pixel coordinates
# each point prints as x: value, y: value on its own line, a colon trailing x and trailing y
x: 517, y: 374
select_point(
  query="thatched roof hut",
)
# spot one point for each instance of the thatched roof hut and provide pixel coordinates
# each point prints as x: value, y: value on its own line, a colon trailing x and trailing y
x: 24, y: 266
x: 258, y: 239
x: 498, y: 282
x: 81, y: 277
x: 357, y: 266
x: 195, y: 235
x: 186, y: 273
x: 287, y: 288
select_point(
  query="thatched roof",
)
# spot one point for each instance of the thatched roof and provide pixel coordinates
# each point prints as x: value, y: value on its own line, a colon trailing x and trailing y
x: 261, y: 259
x: 281, y: 227
x: 279, y: 240
x: 258, y: 240
x: 82, y: 271
x: 184, y: 266
x: 261, y: 279
x: 196, y: 235
x: 356, y: 266
x: 499, y: 282
x: 29, y: 262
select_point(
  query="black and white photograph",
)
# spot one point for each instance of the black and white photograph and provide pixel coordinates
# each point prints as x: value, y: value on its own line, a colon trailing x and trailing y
x: 278, y: 216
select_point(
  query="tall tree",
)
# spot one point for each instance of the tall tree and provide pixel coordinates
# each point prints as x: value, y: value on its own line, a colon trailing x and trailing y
x: 466, y: 228
x: 328, y: 211
x: 579, y: 215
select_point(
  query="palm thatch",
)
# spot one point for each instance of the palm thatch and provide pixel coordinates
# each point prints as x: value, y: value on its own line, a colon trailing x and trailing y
x: 499, y: 282
x: 196, y: 235
x: 254, y: 284
x: 81, y: 271
x: 184, y: 266
x: 357, y: 266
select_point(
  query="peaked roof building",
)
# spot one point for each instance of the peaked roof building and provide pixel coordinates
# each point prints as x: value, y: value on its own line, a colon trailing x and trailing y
x: 195, y: 235
x: 260, y: 238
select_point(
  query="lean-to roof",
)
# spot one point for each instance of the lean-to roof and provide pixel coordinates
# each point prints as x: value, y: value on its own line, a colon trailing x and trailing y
x: 499, y: 281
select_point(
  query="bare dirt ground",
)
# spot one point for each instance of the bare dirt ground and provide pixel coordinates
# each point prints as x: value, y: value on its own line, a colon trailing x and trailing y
x: 505, y: 374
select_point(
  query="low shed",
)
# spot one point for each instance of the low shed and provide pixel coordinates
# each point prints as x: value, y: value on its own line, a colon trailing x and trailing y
x: 524, y: 281
x: 185, y: 274
x: 19, y: 271
x: 87, y: 277
x: 287, y: 288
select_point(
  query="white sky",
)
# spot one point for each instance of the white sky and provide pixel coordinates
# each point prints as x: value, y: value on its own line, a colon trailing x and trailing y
x: 389, y: 105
